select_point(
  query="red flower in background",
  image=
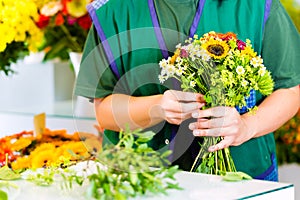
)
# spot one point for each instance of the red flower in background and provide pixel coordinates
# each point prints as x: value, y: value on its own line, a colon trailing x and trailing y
x: 43, y: 21
x: 85, y: 22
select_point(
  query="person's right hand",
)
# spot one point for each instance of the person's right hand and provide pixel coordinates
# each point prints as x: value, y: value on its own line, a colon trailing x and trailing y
x: 177, y: 106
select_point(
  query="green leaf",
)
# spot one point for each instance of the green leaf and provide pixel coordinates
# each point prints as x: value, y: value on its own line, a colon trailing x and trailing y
x: 3, y: 195
x: 236, y: 176
x: 7, y: 174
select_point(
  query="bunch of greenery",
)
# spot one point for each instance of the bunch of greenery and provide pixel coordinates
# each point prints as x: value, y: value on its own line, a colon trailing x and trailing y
x: 131, y: 168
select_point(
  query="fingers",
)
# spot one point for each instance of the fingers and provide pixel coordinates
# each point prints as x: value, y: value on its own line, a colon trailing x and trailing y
x: 214, y: 112
x: 226, y: 142
x: 214, y: 132
x: 185, y: 96
x: 214, y: 123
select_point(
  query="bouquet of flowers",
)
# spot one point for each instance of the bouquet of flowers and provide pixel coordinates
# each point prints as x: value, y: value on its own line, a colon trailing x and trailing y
x: 19, y: 34
x: 228, y: 72
x: 65, y: 24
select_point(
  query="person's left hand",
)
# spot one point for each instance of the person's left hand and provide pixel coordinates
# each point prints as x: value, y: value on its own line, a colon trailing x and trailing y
x: 221, y: 121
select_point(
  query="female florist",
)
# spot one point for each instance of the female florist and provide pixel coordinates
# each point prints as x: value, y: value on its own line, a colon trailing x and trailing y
x: 193, y: 99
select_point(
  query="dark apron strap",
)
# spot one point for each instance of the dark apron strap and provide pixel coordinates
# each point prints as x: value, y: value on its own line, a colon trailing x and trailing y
x: 267, y: 12
x: 104, y: 42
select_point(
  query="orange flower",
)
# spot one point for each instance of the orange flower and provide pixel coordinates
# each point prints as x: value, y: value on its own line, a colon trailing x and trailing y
x: 226, y: 36
x: 59, y: 20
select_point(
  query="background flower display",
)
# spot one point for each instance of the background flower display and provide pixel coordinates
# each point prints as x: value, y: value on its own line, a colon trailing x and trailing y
x: 19, y: 33
x: 288, y: 141
x: 65, y: 24
x: 27, y: 150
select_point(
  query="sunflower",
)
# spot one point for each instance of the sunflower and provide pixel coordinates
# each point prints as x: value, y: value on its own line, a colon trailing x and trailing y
x: 216, y: 49
x: 43, y: 159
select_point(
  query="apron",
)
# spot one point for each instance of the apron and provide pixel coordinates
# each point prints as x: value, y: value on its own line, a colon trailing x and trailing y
x: 271, y: 173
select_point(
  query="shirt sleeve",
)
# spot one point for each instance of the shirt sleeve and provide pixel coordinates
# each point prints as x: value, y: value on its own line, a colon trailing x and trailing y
x: 281, y: 48
x: 95, y: 78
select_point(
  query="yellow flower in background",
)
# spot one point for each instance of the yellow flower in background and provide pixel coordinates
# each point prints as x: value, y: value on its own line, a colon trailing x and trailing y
x: 74, y: 151
x: 21, y: 143
x: 21, y: 163
x: 43, y: 159
x: 17, y: 22
x: 77, y: 8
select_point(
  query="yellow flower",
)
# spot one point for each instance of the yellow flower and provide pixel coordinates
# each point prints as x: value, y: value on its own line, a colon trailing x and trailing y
x: 21, y: 163
x: 43, y: 159
x: 74, y: 150
x: 249, y: 51
x: 216, y: 49
x: 77, y: 8
x: 21, y: 143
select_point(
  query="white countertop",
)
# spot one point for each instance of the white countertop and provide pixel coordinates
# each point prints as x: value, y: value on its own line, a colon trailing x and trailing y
x: 195, y: 186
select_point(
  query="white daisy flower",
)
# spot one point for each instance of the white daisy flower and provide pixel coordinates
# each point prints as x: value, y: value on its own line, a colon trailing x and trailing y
x: 256, y: 61
x: 240, y: 70
x: 262, y: 71
x: 192, y: 83
x: 244, y: 83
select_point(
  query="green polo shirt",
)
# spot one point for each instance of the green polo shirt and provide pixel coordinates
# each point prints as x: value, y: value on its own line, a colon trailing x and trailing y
x: 137, y: 53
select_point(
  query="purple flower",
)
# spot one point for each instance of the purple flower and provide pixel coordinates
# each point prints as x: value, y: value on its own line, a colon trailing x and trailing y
x: 241, y: 45
x: 184, y: 53
x: 71, y: 20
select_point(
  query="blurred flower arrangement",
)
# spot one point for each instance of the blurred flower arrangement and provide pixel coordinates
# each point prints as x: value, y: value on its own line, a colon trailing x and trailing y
x: 26, y: 151
x: 288, y: 141
x: 19, y: 33
x: 65, y: 24
x: 228, y: 72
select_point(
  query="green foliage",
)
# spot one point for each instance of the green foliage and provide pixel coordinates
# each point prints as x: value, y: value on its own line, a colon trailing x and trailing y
x: 13, y: 52
x: 132, y: 168
x: 63, y: 39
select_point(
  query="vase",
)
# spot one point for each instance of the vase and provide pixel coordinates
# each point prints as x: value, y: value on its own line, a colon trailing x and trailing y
x: 82, y: 107
x: 75, y: 58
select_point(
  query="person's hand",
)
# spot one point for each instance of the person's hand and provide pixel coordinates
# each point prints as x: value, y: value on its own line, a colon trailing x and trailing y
x: 221, y: 121
x: 177, y: 106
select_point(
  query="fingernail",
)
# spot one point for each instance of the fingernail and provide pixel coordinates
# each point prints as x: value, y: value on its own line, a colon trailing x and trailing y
x: 195, y: 114
x: 192, y: 127
x: 196, y: 133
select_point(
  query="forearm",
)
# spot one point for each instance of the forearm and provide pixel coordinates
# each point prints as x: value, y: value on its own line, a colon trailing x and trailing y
x: 273, y: 112
x: 117, y: 111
